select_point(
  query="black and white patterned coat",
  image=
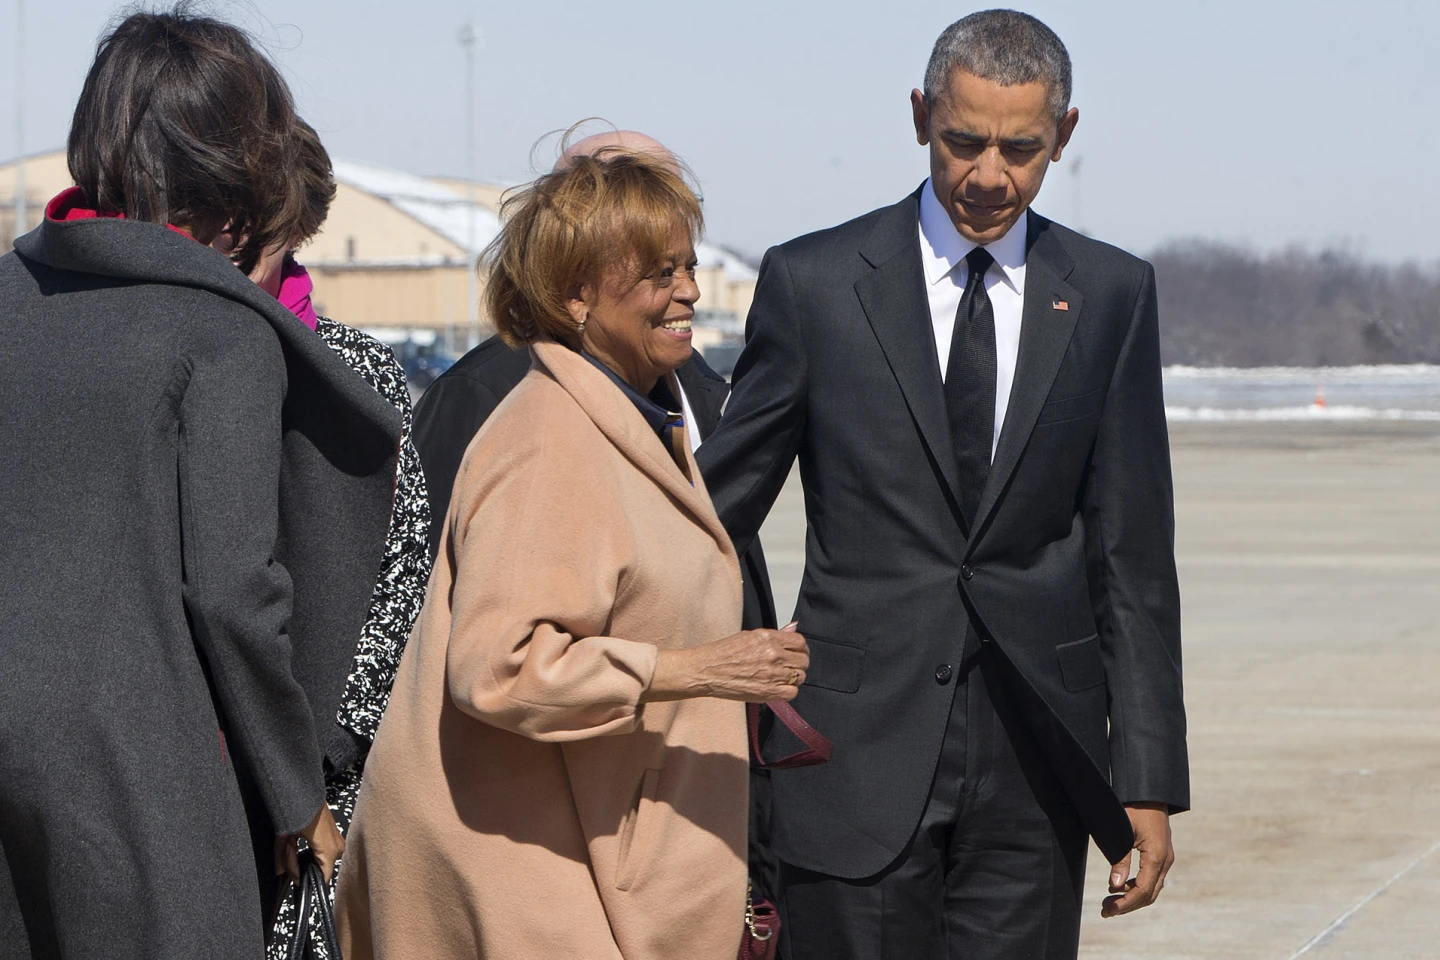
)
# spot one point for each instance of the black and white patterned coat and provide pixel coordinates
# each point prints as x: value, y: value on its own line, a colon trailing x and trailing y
x: 394, y: 605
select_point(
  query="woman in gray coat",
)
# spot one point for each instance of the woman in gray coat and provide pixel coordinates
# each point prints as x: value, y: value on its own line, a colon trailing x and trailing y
x: 194, y: 497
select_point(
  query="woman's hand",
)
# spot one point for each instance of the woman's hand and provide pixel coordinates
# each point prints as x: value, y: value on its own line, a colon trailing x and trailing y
x: 755, y: 666
x: 324, y: 839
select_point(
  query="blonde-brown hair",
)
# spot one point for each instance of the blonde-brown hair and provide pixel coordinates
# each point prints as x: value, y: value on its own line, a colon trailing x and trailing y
x: 572, y: 226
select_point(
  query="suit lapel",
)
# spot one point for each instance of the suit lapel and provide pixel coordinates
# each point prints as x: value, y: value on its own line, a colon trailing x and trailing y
x: 894, y: 300
x: 1044, y: 337
x: 706, y: 396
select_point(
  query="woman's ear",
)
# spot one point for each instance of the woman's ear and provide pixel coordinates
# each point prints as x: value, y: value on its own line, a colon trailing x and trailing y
x: 577, y: 302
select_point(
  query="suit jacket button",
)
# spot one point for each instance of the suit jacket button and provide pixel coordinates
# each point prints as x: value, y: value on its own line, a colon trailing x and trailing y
x: 943, y: 674
x: 966, y: 571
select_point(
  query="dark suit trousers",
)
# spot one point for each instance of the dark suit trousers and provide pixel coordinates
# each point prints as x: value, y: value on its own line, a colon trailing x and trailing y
x: 995, y: 870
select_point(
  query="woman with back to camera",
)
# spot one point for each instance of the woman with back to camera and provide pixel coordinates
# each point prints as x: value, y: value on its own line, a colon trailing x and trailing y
x: 562, y: 771
x: 206, y: 481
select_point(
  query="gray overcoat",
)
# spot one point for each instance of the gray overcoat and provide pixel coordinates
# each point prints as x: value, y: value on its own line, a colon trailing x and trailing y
x: 194, y: 496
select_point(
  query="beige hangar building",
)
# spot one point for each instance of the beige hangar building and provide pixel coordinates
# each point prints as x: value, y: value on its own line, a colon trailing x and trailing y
x: 396, y: 254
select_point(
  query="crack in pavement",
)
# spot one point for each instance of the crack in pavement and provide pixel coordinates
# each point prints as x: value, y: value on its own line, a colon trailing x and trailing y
x: 1341, y: 920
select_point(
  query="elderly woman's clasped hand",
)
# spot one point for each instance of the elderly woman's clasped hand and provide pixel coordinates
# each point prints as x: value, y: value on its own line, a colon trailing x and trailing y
x: 755, y: 666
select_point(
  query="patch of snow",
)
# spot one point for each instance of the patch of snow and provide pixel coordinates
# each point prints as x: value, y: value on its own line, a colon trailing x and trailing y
x: 442, y: 209
x: 1305, y: 374
x: 1287, y: 414
x: 715, y: 257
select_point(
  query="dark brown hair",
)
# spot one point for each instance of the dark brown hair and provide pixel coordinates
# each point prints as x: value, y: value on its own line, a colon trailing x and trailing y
x: 316, y: 175
x: 183, y: 121
x: 572, y: 226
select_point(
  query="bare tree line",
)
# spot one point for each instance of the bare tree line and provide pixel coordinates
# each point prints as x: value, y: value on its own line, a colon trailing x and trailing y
x: 1222, y: 305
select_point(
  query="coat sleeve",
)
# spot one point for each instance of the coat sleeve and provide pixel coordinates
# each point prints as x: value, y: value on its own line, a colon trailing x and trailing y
x: 237, y: 596
x: 447, y: 417
x: 746, y: 460
x: 404, y: 573
x: 1130, y: 520
x: 541, y: 545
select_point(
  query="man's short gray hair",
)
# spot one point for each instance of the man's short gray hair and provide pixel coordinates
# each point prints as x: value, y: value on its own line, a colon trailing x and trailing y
x: 1003, y: 46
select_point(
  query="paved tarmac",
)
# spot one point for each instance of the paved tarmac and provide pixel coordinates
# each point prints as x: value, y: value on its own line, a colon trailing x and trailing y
x: 1310, y: 569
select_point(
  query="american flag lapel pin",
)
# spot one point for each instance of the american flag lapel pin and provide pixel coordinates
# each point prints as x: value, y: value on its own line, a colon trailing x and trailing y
x: 1059, y: 304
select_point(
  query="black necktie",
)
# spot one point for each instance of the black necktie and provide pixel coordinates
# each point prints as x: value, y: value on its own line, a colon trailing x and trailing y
x: 970, y: 383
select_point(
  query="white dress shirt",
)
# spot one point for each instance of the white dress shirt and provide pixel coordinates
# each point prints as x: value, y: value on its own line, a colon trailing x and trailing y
x: 943, y: 251
x: 692, y: 429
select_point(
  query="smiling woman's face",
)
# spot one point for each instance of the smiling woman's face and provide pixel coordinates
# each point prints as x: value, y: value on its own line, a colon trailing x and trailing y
x: 641, y: 329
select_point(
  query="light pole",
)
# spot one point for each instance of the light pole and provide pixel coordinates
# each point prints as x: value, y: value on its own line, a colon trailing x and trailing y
x: 1075, y: 192
x: 467, y: 41
x: 21, y: 215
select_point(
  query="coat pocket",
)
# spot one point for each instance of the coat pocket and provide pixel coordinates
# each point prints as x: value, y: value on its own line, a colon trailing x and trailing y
x: 834, y: 664
x: 1071, y: 408
x: 1080, y: 665
x: 637, y: 828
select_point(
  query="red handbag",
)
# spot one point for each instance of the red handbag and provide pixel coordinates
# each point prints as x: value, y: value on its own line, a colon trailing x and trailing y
x: 817, y: 747
x: 762, y: 921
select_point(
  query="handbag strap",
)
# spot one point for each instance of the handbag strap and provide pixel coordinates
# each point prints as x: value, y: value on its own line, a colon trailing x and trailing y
x: 301, y: 935
x: 817, y: 747
x: 313, y: 898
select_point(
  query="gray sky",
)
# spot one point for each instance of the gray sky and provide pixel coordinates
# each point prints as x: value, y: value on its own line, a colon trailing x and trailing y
x: 1267, y: 122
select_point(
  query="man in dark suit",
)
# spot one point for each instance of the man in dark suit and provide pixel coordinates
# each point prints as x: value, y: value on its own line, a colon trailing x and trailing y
x: 453, y: 409
x: 990, y: 595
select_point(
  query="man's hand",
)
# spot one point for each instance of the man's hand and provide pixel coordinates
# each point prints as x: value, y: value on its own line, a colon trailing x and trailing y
x: 1151, y: 822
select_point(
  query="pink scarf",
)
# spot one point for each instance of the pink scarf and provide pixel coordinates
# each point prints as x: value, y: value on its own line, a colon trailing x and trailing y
x: 295, y: 290
x: 69, y: 204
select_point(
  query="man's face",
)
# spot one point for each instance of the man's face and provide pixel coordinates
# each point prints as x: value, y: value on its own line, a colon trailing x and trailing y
x: 989, y: 149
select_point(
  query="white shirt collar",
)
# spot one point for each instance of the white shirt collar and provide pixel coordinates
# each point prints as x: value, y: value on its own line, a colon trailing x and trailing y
x: 942, y: 248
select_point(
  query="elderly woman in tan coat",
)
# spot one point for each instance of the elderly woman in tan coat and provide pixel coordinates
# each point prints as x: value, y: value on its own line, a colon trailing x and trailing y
x: 562, y: 770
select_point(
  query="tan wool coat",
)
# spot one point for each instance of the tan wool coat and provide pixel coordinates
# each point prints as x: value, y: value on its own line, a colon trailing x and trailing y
x: 520, y: 802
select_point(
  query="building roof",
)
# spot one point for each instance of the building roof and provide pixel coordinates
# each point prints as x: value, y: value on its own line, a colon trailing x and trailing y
x: 712, y: 256
x: 380, y: 218
x: 441, y: 204
x: 436, y: 205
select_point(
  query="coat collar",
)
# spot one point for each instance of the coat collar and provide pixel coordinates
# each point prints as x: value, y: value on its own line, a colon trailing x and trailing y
x: 662, y: 419
x: 621, y: 423
x: 132, y: 250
